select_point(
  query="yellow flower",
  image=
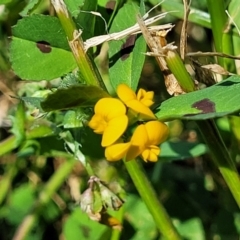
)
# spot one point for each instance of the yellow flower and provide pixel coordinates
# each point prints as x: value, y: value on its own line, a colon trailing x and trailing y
x: 117, y: 151
x: 139, y: 103
x: 145, y: 97
x: 144, y: 142
x: 110, y: 119
x: 146, y: 139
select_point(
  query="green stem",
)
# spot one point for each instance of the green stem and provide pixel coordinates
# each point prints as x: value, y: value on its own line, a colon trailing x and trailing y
x: 87, y: 68
x: 6, y: 181
x: 45, y: 196
x: 235, y: 126
x: 222, y: 36
x: 221, y: 156
x: 116, y: 233
x: 148, y: 195
x: 176, y: 66
x: 8, y: 145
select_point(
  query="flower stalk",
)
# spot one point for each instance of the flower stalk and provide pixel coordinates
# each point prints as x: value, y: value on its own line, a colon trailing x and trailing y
x: 148, y: 195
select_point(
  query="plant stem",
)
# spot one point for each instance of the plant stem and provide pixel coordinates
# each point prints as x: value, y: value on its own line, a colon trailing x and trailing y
x: 225, y: 43
x: 148, y: 195
x: 8, y: 145
x: 176, y: 66
x: 25, y: 227
x: 6, y: 180
x: 87, y: 68
x: 222, y: 36
x: 221, y: 156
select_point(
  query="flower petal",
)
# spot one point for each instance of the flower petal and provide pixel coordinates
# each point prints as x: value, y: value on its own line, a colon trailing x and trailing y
x: 97, y: 123
x: 109, y: 108
x: 138, y: 141
x: 125, y: 93
x: 114, y: 130
x: 145, y: 97
x: 116, y: 151
x: 151, y: 154
x: 144, y: 111
x: 157, y: 132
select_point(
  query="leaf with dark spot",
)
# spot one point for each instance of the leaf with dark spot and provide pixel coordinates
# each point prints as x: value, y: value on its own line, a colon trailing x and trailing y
x: 44, y: 46
x: 127, y: 47
x: 39, y: 49
x: 218, y: 100
x: 85, y: 230
x: 205, y: 105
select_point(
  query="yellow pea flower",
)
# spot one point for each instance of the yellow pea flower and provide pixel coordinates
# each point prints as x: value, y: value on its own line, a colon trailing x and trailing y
x: 144, y: 143
x: 139, y: 103
x: 117, y: 151
x: 110, y: 120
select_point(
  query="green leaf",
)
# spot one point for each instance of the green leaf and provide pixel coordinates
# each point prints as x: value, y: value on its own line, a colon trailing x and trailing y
x: 233, y: 9
x: 74, y: 96
x: 41, y: 28
x: 176, y: 9
x: 21, y: 201
x: 40, y: 128
x: 5, y: 1
x: 39, y: 49
x: 107, y: 9
x: 215, y: 101
x: 32, y: 5
x: 192, y: 229
x: 51, y: 211
x: 74, y: 6
x: 34, y: 101
x: 72, y: 119
x: 71, y: 79
x: 126, y: 57
x: 140, y: 218
x: 79, y: 226
x: 86, y: 20
x: 181, y: 150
